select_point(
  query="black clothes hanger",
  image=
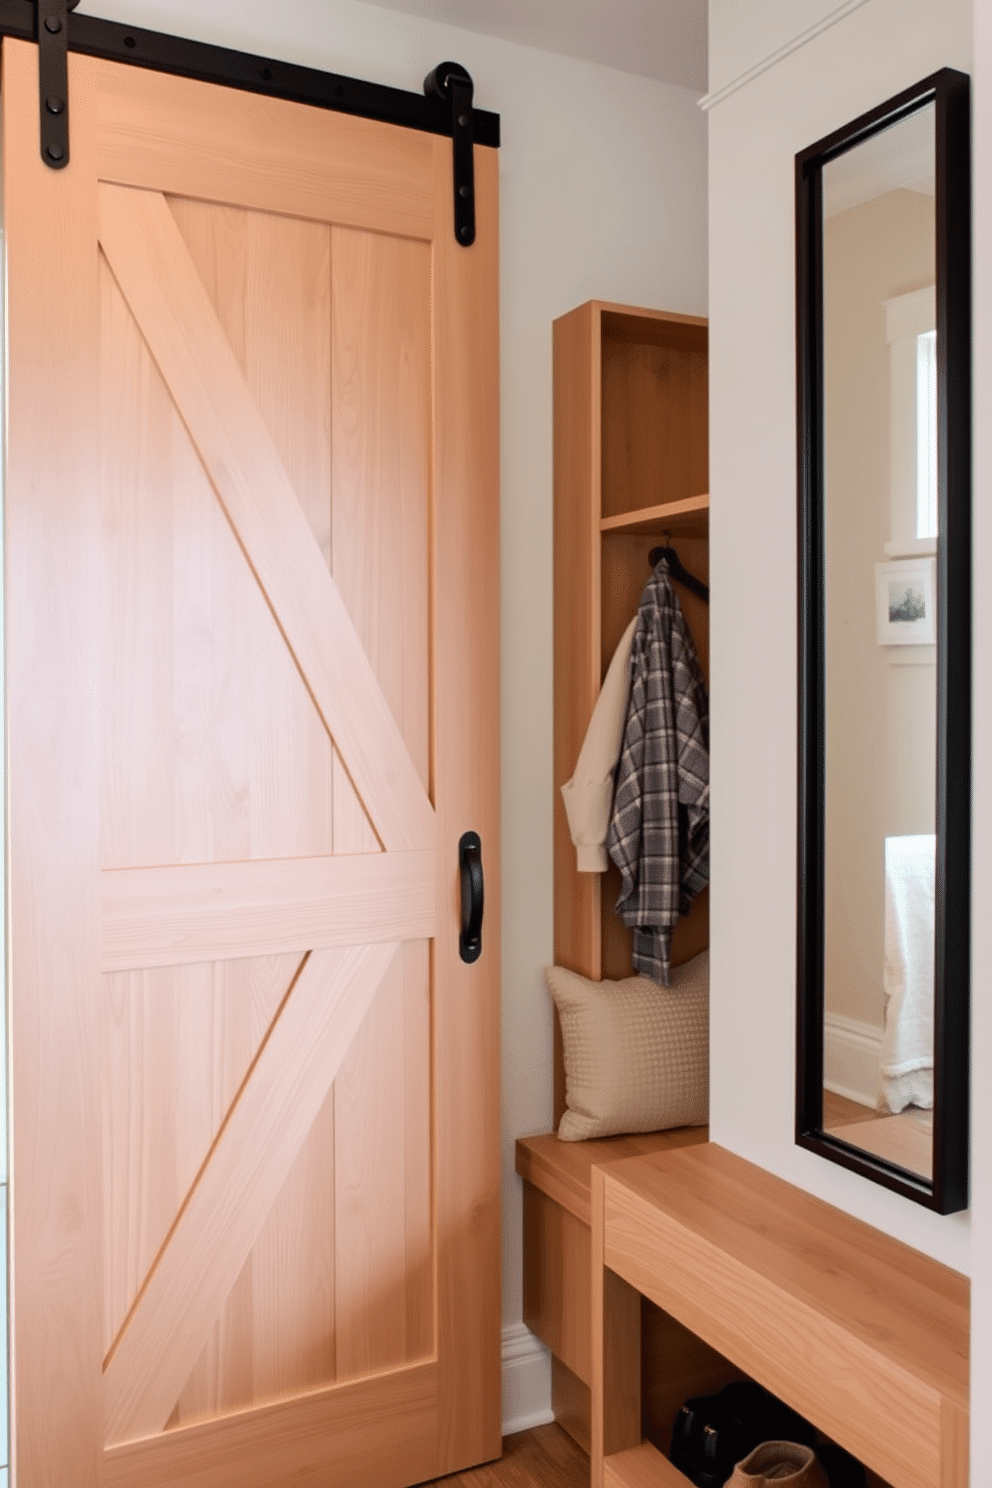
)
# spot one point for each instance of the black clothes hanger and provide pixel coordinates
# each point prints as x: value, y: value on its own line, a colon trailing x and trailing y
x: 678, y: 573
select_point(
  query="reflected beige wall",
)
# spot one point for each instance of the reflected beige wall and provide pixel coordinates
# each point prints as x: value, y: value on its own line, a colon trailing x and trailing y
x: 881, y: 732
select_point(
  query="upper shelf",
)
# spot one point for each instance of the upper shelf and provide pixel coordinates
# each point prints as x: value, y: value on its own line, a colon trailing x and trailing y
x: 689, y: 517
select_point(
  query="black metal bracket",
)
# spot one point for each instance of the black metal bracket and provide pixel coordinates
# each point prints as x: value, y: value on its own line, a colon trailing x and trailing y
x: 53, y: 79
x: 451, y: 82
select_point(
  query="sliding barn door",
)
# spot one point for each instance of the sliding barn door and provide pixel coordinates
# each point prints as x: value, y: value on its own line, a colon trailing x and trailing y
x: 251, y: 527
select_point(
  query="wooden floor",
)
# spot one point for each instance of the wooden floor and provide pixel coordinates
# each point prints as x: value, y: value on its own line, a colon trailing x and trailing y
x: 905, y: 1138
x: 545, y: 1457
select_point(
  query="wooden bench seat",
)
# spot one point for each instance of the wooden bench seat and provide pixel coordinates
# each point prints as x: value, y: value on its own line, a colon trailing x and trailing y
x: 562, y: 1170
x: 865, y: 1337
x: 557, y: 1265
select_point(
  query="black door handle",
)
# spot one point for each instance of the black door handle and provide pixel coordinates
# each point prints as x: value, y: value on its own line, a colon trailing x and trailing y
x: 473, y: 896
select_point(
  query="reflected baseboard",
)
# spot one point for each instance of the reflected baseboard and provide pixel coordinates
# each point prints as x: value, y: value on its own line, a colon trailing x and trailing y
x: 851, y: 1054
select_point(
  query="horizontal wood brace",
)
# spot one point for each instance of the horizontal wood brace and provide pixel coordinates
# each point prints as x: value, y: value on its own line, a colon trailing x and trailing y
x: 193, y: 912
x: 316, y: 1437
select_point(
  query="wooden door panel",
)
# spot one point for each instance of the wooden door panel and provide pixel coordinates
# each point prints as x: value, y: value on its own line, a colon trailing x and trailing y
x: 384, y: 1271
x: 212, y: 747
x: 275, y: 1336
x: 52, y: 600
x: 275, y: 579
x: 156, y: 1350
x: 380, y: 1431
x: 190, y: 139
x: 373, y: 1149
x: 177, y: 1045
x: 381, y: 448
x: 158, y: 279
x: 380, y: 439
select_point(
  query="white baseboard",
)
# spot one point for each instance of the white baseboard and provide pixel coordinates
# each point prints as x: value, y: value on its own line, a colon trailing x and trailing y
x: 526, y: 1380
x: 851, y: 1053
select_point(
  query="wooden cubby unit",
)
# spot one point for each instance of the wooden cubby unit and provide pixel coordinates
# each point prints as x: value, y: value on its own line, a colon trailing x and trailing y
x: 631, y: 465
x: 630, y: 446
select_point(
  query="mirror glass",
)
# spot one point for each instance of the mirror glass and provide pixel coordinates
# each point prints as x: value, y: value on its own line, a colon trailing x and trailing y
x: 883, y: 396
x: 880, y: 536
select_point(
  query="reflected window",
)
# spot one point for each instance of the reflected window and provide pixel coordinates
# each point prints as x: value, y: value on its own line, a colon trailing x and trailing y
x: 926, y: 434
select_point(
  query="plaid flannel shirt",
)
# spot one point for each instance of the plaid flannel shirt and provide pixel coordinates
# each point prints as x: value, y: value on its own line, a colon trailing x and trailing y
x: 659, y: 834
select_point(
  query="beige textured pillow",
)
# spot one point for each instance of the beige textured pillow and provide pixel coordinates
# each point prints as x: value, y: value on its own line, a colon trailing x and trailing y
x: 636, y: 1054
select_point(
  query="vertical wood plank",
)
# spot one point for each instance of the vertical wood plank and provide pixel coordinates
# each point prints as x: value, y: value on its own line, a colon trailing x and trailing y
x: 140, y: 444
x: 281, y: 1315
x: 177, y: 1043
x: 577, y: 679
x: 370, y: 1190
x: 52, y: 514
x: 955, y: 1446
x: 419, y: 1191
x: 467, y: 723
x: 277, y: 324
x: 213, y: 750
x: 380, y: 441
x: 616, y: 1350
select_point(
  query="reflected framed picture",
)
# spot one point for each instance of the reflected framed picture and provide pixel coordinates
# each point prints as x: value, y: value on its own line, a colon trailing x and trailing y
x: 906, y: 602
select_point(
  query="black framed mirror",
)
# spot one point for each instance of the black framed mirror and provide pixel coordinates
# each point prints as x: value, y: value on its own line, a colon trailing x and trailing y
x: 883, y: 279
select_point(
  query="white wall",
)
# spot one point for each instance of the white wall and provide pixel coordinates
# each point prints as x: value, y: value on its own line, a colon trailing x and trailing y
x: 872, y: 51
x: 603, y: 195
x: 981, y: 957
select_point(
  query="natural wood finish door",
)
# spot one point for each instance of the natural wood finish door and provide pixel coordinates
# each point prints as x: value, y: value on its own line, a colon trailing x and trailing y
x: 252, y: 519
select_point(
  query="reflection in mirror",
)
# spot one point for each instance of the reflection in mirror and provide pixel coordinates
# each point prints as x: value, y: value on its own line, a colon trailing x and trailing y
x: 880, y: 540
x: 883, y: 327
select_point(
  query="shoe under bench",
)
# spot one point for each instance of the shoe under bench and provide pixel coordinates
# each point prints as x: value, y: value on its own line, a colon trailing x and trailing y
x: 862, y: 1335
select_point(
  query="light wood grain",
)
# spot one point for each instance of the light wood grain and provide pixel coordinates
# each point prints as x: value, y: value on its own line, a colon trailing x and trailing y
x: 543, y: 1457
x: 577, y: 675
x: 465, y: 561
x: 646, y: 327
x: 377, y: 1431
x: 630, y: 449
x: 675, y: 1365
x: 380, y: 441
x: 262, y: 774
x: 616, y: 1350
x: 898, y: 1138
x: 955, y: 1452
x: 161, y: 1339
x: 688, y: 516
x: 563, y: 1170
x: 52, y: 609
x: 188, y: 913
x: 216, y: 749
x: 557, y: 1281
x: 642, y: 1467
x: 571, y: 1402
x: 655, y: 419
x: 177, y: 135
x: 196, y: 1030
x: 153, y: 268
x: 843, y: 1323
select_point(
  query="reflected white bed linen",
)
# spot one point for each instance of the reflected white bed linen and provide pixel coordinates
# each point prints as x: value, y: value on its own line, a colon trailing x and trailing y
x: 906, y: 1064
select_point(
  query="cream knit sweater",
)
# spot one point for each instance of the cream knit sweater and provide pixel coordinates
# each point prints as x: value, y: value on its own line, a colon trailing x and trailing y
x: 588, y: 796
